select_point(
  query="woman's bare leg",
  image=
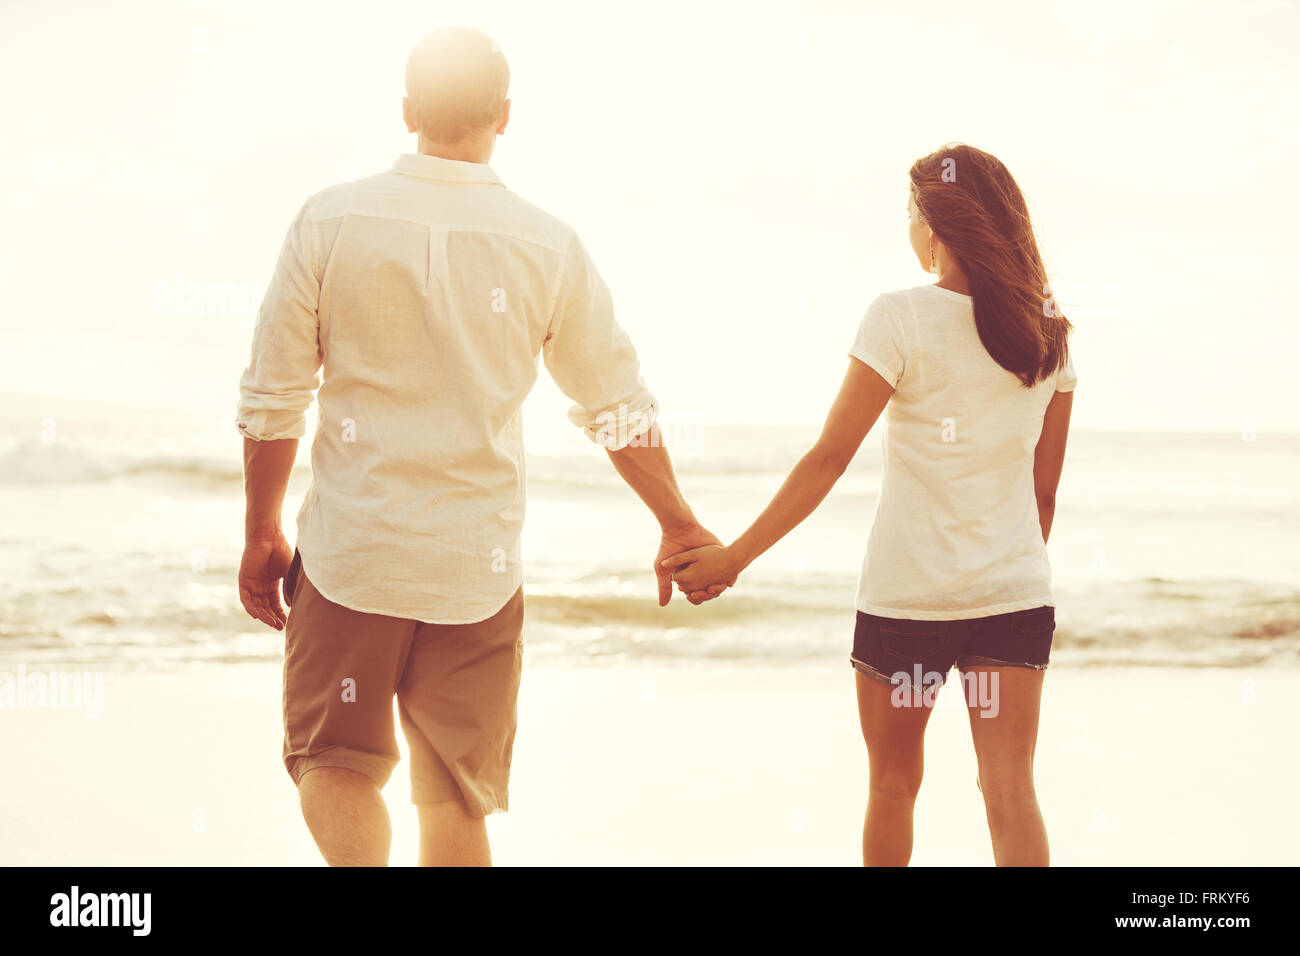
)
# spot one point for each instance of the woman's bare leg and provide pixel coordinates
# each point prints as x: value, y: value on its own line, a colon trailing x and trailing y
x: 1004, y: 748
x: 895, y: 738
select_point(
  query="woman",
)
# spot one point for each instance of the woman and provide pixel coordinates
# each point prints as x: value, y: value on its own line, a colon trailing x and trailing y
x: 977, y: 377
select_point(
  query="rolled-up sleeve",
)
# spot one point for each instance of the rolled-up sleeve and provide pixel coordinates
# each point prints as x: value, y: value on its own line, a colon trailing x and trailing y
x: 281, y: 377
x: 592, y: 359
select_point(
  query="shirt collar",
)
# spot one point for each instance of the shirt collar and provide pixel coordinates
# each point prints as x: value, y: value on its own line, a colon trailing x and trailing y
x: 445, y: 170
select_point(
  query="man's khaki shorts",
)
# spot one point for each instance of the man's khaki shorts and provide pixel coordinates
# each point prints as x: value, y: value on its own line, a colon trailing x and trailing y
x: 456, y: 687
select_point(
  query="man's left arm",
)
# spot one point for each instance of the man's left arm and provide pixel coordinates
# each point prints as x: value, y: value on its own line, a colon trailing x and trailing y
x: 274, y: 394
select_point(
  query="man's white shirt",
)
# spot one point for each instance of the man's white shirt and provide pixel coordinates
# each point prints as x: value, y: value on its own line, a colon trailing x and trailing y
x: 426, y: 294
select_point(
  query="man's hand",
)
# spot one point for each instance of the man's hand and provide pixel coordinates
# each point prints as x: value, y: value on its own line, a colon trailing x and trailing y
x: 266, y: 561
x: 675, y: 542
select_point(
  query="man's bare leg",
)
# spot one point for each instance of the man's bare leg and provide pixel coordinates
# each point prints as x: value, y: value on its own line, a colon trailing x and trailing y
x: 452, y: 836
x: 347, y: 816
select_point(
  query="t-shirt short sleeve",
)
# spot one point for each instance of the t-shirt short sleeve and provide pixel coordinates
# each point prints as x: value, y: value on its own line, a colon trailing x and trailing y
x: 879, y: 344
x: 1066, y: 378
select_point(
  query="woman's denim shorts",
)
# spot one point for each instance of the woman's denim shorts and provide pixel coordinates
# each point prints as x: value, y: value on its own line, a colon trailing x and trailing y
x: 897, y: 651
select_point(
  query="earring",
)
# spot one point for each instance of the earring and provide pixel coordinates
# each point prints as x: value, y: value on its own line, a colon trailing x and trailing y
x: 934, y: 266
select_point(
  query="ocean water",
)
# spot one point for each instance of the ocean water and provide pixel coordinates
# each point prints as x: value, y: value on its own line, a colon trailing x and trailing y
x: 122, y: 531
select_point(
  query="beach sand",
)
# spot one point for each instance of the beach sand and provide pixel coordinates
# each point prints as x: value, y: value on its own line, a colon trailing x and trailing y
x: 661, y: 765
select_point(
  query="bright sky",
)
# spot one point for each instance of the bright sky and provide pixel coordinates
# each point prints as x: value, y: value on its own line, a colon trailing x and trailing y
x: 737, y: 169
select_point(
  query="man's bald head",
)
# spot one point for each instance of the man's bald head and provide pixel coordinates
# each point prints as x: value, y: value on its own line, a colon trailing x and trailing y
x: 457, y: 80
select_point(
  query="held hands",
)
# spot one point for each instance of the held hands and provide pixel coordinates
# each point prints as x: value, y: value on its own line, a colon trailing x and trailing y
x: 676, y: 542
x: 710, y: 568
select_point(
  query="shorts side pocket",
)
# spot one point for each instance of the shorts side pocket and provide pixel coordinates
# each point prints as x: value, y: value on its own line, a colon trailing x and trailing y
x: 291, y: 578
x: 1035, y: 622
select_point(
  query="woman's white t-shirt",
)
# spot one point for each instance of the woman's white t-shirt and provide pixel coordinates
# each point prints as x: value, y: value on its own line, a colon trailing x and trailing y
x: 956, y: 532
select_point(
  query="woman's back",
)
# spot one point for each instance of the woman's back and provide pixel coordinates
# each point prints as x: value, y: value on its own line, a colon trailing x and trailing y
x: 956, y: 533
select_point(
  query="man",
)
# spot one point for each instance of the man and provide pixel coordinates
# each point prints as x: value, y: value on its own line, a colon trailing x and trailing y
x: 427, y: 292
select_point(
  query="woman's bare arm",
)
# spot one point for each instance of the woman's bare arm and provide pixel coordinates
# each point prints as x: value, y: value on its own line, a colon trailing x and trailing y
x: 1049, y: 457
x: 862, y: 397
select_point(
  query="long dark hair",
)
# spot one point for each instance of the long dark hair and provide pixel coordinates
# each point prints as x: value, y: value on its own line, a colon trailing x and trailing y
x: 976, y: 209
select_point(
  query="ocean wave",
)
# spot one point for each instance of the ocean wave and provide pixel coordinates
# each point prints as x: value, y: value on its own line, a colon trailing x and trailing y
x: 1143, y: 622
x: 40, y: 463
x: 621, y: 611
x: 35, y: 462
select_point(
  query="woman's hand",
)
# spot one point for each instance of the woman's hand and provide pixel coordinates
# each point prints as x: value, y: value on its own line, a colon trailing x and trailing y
x: 702, y: 568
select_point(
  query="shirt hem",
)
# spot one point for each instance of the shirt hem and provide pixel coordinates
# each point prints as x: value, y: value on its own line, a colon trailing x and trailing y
x: 989, y: 610
x: 351, y: 606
